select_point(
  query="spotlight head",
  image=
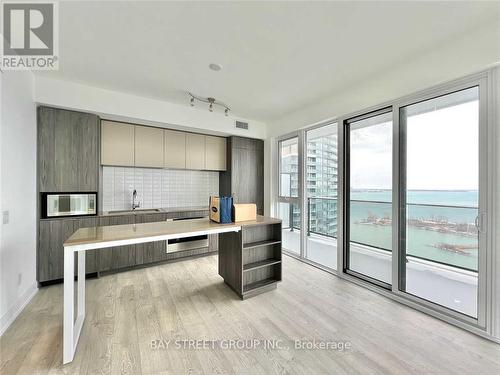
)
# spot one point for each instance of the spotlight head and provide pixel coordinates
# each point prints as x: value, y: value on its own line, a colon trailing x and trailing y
x: 226, y: 112
x: 192, y: 102
x: 211, y: 107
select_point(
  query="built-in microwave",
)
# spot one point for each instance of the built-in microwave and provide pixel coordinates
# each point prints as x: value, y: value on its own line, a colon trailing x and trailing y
x: 68, y: 204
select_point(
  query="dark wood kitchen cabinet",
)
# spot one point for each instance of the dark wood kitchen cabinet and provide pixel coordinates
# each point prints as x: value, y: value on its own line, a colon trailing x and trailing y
x: 91, y: 259
x: 68, y: 150
x: 150, y: 252
x: 117, y: 257
x: 53, y: 232
x: 51, y: 236
x: 244, y: 177
x: 67, y: 161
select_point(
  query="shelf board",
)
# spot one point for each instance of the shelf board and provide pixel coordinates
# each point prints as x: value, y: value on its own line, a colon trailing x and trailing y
x: 263, y: 263
x: 253, y: 245
x: 257, y: 285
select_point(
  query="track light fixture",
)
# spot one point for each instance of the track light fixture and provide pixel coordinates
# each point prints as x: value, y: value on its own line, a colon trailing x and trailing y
x: 210, y: 101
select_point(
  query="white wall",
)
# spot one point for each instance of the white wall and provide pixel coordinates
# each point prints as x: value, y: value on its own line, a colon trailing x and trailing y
x: 454, y: 59
x: 116, y: 105
x: 18, y: 194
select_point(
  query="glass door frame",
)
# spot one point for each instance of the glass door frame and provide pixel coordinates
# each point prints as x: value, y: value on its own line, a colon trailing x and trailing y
x: 305, y: 193
x: 301, y: 200
x: 346, y: 195
x: 486, y: 168
x: 399, y: 184
x: 298, y: 201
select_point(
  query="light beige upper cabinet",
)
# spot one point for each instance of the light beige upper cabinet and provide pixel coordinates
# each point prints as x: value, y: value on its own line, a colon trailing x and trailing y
x: 129, y: 145
x: 117, y: 143
x: 215, y: 153
x: 148, y: 147
x: 175, y: 149
x: 195, y: 151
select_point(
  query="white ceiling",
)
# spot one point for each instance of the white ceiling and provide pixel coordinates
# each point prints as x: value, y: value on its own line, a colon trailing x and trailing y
x: 276, y: 57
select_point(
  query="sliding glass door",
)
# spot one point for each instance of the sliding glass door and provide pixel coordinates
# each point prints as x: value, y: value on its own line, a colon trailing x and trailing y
x: 414, y: 206
x: 396, y: 197
x: 368, y: 197
x: 288, y: 209
x: 307, y: 198
x: 440, y: 217
x: 321, y: 195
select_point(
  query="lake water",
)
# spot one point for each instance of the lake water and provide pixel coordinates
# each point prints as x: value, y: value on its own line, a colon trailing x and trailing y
x: 460, y: 208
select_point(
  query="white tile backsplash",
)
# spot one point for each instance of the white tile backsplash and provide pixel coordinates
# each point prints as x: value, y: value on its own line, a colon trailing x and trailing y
x: 157, y: 188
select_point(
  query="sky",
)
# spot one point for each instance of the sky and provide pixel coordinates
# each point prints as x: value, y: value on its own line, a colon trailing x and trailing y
x: 442, y: 151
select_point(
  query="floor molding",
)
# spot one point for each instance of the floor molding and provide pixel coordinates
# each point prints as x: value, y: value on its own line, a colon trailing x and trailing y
x: 17, y: 307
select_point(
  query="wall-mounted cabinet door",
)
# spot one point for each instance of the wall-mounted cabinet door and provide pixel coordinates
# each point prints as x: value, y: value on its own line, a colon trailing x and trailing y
x: 87, y: 133
x: 248, y: 177
x: 148, y: 147
x: 175, y: 149
x: 215, y: 153
x: 195, y: 151
x: 67, y: 150
x: 244, y: 178
x: 117, y: 144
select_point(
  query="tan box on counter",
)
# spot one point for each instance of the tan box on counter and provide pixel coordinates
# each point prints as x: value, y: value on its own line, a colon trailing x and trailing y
x: 244, y: 212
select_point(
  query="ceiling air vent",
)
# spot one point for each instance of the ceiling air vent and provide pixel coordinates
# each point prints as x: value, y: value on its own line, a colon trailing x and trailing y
x: 242, y: 125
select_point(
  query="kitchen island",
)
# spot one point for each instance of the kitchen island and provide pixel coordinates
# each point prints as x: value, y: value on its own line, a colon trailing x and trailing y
x: 249, y: 258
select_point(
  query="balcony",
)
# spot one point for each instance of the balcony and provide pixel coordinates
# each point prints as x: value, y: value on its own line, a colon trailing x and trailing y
x: 442, y: 246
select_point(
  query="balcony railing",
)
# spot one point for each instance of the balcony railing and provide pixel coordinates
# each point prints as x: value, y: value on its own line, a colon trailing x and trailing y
x: 323, y: 208
x: 445, y: 234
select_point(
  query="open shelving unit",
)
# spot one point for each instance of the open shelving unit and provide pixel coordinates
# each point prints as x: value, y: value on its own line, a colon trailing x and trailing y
x: 261, y: 258
x: 250, y: 260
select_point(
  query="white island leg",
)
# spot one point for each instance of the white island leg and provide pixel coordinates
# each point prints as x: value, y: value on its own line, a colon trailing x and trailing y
x: 71, y: 331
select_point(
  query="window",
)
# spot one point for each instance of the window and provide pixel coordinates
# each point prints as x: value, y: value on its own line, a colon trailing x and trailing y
x: 441, y: 200
x: 321, y: 201
x: 309, y: 208
x: 289, y: 167
x: 367, y: 250
x: 414, y: 202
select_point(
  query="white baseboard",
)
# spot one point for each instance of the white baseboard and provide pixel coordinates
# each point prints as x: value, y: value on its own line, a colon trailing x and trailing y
x: 11, y: 315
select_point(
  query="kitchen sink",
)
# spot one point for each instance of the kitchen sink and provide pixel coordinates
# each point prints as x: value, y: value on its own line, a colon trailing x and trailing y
x: 138, y: 211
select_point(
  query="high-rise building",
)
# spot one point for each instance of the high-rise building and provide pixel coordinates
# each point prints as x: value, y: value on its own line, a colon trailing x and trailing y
x: 321, y: 178
x: 321, y: 183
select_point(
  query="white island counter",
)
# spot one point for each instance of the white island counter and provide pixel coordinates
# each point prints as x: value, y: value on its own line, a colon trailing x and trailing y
x: 249, y: 262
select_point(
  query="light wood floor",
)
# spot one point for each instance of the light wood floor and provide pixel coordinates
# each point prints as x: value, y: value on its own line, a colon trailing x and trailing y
x: 188, y: 300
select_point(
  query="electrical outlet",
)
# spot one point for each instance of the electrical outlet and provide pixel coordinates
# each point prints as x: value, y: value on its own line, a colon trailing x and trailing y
x: 5, y: 217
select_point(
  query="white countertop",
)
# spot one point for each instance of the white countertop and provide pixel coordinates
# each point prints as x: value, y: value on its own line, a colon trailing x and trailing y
x: 128, y: 234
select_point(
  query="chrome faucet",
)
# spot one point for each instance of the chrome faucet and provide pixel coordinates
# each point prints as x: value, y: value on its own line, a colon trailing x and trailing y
x: 134, y: 196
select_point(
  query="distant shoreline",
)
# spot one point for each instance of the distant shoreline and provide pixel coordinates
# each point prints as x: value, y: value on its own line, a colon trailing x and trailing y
x: 447, y: 191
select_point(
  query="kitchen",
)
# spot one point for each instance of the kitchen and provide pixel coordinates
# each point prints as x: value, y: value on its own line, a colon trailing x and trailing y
x: 82, y: 158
